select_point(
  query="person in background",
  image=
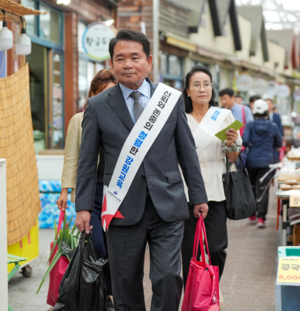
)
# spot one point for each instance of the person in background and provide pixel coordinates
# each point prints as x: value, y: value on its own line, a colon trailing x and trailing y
x: 261, y: 136
x: 275, y: 109
x: 252, y: 100
x: 199, y: 96
x: 238, y: 99
x: 241, y: 113
x: 103, y: 80
x: 274, y: 117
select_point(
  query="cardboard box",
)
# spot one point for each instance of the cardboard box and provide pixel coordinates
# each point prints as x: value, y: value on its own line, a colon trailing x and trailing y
x: 296, y: 235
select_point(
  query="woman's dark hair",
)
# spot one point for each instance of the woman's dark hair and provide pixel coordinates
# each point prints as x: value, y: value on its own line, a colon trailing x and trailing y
x: 100, y: 82
x: 187, y: 100
x: 130, y: 35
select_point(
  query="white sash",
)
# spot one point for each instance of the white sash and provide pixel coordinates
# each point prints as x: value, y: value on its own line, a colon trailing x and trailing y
x: 208, y: 127
x: 135, y: 148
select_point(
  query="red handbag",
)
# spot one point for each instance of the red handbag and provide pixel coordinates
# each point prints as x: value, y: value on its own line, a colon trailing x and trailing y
x: 202, y: 286
x: 58, y: 270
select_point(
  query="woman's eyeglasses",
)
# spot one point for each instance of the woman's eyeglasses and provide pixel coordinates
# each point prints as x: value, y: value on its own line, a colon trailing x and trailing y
x: 205, y: 85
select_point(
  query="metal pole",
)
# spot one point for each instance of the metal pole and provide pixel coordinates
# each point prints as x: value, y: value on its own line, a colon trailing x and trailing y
x: 155, y: 40
x: 3, y: 238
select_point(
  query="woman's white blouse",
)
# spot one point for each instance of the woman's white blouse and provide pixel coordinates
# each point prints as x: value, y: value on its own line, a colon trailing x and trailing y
x: 212, y: 161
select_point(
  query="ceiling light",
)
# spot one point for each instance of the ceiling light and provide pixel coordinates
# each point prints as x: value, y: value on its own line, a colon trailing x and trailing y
x: 109, y: 22
x: 6, y: 36
x: 23, y: 46
x: 65, y: 2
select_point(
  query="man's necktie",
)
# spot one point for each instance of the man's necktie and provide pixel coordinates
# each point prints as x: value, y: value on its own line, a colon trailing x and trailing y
x: 137, y: 107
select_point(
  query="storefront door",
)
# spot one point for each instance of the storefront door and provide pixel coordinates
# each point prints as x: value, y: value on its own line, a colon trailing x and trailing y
x: 46, y: 96
x: 38, y: 73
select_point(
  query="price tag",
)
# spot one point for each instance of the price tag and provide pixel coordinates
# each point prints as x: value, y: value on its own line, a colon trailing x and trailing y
x: 295, y: 201
x: 288, y: 271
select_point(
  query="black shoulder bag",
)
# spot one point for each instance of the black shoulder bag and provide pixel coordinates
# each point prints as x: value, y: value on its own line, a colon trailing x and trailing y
x: 240, y: 201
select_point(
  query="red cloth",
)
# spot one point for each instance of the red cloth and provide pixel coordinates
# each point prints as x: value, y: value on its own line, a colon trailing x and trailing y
x: 244, y: 122
x: 202, y: 286
x: 58, y: 270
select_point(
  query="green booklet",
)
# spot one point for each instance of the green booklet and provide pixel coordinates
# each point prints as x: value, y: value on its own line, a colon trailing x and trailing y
x: 235, y: 125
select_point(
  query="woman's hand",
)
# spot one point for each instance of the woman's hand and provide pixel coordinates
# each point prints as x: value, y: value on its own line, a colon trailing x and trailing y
x: 232, y: 136
x: 62, y: 201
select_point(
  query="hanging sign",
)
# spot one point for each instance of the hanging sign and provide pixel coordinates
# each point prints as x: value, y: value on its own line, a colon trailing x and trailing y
x: 244, y: 82
x: 283, y: 91
x: 95, y: 40
x: 259, y: 85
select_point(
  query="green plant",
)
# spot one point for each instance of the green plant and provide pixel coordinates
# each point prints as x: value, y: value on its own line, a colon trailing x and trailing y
x: 65, y: 235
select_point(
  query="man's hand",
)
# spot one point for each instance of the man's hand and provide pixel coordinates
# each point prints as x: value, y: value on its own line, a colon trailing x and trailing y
x: 82, y: 221
x: 200, y: 209
x: 62, y: 201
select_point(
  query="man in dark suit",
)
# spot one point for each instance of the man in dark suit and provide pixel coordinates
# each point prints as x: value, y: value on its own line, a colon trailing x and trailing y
x: 155, y: 205
x: 274, y: 117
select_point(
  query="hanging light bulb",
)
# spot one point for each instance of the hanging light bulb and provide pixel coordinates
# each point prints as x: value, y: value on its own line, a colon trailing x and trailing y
x: 23, y: 46
x: 6, y: 36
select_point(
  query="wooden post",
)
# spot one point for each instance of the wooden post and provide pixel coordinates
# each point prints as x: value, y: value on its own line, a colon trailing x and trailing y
x: 3, y: 238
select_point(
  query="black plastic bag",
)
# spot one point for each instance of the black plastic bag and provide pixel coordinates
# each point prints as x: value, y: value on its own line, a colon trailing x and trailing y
x: 83, y: 286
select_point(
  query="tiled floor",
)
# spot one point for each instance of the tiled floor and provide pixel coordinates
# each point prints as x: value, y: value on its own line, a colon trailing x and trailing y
x: 248, y: 283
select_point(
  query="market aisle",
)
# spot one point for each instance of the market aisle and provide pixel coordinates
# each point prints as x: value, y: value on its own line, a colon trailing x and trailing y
x: 248, y: 283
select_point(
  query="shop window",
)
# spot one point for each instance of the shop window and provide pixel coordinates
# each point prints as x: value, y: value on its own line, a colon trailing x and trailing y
x: 81, y: 30
x: 45, y: 26
x: 86, y: 72
x: 163, y: 63
x: 31, y: 20
x: 171, y: 70
x: 50, y: 24
x: 175, y: 65
x: 57, y: 102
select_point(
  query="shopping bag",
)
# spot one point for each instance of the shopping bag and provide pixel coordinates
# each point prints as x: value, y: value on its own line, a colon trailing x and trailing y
x: 202, y: 286
x: 83, y: 286
x: 58, y: 270
x: 240, y: 200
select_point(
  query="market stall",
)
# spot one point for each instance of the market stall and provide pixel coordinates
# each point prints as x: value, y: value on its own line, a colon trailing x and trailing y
x: 288, y: 222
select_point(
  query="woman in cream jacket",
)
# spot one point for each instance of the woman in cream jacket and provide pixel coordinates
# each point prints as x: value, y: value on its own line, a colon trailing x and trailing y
x: 103, y: 80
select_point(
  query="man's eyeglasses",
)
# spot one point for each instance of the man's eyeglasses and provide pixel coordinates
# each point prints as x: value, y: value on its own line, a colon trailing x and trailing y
x: 205, y: 85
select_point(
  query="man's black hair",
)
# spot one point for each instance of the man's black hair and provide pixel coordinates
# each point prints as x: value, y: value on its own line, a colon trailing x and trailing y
x: 227, y: 91
x: 238, y: 96
x: 253, y: 98
x: 187, y: 99
x: 130, y: 35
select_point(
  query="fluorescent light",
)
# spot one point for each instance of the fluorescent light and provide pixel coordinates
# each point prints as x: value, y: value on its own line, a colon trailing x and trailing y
x: 23, y: 46
x: 64, y: 2
x: 109, y: 22
x: 291, y: 5
x: 6, y: 37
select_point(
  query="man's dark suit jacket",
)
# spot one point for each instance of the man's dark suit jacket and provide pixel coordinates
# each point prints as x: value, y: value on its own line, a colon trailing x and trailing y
x: 107, y: 123
x: 277, y: 120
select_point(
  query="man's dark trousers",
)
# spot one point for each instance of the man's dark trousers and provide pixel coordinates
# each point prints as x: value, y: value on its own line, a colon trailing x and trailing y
x: 126, y: 246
